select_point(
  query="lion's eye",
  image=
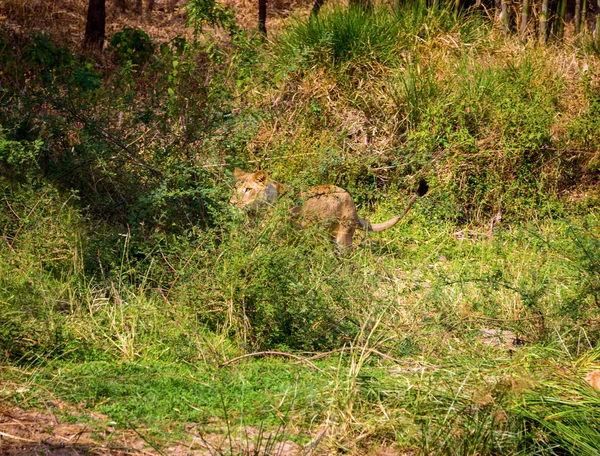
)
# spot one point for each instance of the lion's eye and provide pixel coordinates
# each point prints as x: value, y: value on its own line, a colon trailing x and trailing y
x: 246, y: 190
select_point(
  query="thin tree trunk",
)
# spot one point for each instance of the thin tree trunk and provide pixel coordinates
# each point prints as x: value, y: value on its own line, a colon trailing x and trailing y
x: 525, y: 17
x: 262, y: 17
x: 562, y: 12
x: 597, y: 20
x: 314, y: 12
x: 121, y: 5
x: 577, y: 18
x: 317, y: 7
x: 149, y: 9
x: 95, y: 25
x: 138, y: 6
x: 544, y: 21
x: 584, y: 7
x: 505, y: 18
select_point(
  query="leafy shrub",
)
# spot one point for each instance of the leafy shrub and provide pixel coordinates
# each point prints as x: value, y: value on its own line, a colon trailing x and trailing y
x: 272, y: 287
x: 18, y: 159
x: 133, y: 45
x: 212, y: 13
x: 44, y: 55
x: 88, y: 128
x: 581, y: 260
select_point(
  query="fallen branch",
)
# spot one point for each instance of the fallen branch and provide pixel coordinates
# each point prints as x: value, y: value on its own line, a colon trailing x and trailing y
x: 14, y: 437
x: 270, y: 353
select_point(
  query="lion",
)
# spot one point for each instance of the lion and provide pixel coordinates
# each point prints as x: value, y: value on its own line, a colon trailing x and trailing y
x: 327, y: 205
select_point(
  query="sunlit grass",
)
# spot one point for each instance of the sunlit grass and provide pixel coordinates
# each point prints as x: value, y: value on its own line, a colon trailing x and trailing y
x: 468, y: 328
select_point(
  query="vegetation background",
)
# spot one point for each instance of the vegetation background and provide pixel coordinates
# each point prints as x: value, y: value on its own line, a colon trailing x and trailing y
x: 140, y: 312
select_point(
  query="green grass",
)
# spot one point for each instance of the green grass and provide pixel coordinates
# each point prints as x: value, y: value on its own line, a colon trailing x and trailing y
x: 414, y: 364
x: 129, y: 287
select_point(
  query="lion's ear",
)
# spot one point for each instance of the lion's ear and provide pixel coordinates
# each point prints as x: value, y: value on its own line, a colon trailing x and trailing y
x: 261, y: 177
x: 238, y: 174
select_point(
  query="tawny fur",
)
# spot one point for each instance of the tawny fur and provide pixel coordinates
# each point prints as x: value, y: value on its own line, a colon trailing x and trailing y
x: 328, y: 205
x: 593, y: 378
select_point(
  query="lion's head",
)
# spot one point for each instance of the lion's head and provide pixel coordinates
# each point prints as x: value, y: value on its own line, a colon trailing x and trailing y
x: 253, y: 189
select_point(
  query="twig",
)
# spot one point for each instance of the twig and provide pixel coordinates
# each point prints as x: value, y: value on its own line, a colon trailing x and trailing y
x: 11, y: 208
x: 344, y: 349
x: 14, y: 239
x: 145, y: 439
x: 272, y: 353
x: 189, y: 260
x: 476, y: 318
x: 4, y: 434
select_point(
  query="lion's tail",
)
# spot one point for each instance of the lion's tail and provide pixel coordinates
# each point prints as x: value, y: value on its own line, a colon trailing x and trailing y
x: 376, y: 227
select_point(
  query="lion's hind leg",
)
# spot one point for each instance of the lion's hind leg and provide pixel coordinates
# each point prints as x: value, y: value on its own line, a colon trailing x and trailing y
x: 344, y: 235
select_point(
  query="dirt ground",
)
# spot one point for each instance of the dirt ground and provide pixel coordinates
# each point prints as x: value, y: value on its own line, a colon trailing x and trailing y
x: 29, y: 433
x: 33, y: 433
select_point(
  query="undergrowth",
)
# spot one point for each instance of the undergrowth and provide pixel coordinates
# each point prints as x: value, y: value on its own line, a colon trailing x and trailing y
x: 129, y: 286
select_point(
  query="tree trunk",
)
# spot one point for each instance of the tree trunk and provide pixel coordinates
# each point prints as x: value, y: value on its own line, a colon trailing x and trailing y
x: 262, y: 17
x: 583, y: 26
x: 544, y: 21
x: 562, y: 13
x: 138, y: 6
x: 96, y: 24
x: 150, y: 6
x: 597, y: 20
x: 505, y: 17
x: 525, y: 17
x: 317, y: 7
x: 121, y: 5
x: 577, y: 18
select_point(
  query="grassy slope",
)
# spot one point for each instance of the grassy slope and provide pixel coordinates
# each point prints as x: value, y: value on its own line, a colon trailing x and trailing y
x: 137, y: 326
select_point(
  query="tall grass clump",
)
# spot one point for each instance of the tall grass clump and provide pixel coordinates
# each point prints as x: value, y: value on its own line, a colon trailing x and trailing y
x: 560, y: 412
x: 40, y: 256
x: 422, y: 22
x: 341, y: 36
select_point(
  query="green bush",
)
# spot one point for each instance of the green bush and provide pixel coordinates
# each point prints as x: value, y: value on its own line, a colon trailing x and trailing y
x: 131, y: 45
x: 265, y: 285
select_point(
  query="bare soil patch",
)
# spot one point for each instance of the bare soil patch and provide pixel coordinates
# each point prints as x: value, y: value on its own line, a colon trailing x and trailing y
x: 33, y: 433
